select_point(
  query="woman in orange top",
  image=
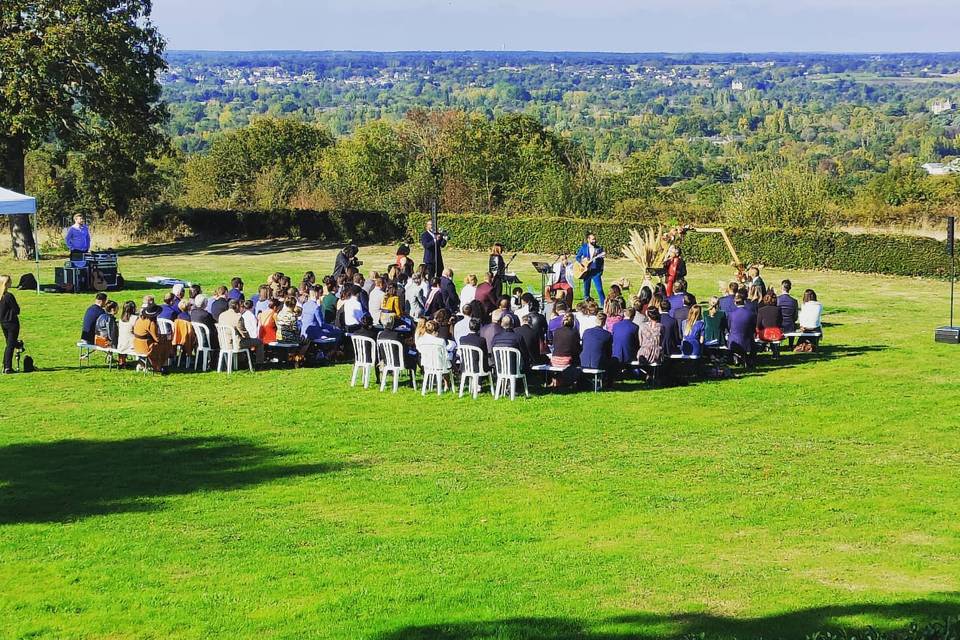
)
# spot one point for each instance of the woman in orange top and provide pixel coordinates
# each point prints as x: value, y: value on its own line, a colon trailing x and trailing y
x: 268, y: 322
x: 147, y: 340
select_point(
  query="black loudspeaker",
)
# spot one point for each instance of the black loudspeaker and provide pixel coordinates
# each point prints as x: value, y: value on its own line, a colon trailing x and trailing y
x: 951, y: 222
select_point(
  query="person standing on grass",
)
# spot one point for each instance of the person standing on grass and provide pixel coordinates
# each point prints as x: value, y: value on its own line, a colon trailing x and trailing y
x: 78, y: 235
x: 9, y: 322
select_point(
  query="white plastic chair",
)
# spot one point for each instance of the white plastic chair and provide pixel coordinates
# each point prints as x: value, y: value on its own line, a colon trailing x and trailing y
x: 166, y: 326
x: 508, y: 364
x: 391, y: 356
x: 364, y: 359
x: 230, y: 354
x: 204, y: 345
x: 472, y: 367
x: 436, y: 363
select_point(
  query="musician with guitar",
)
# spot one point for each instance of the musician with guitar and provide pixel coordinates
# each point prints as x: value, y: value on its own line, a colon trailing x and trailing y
x: 588, y: 267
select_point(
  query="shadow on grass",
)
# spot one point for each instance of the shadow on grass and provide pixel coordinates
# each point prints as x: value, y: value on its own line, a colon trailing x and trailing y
x: 239, y: 246
x: 72, y: 479
x: 838, y: 619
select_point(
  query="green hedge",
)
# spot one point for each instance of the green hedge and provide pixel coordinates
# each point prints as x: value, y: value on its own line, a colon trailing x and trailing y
x: 888, y: 254
x: 330, y: 226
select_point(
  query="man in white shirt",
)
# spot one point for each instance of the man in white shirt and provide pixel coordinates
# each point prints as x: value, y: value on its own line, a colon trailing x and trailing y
x: 353, y: 310
x: 250, y: 319
x: 376, y: 299
x: 232, y: 318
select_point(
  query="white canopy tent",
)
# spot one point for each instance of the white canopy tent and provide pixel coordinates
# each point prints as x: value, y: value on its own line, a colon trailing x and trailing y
x: 14, y: 204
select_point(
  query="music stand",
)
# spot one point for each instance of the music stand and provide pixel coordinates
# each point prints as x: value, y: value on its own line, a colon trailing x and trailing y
x: 543, y: 268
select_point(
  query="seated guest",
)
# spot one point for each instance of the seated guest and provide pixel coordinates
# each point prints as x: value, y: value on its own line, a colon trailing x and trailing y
x: 128, y: 317
x: 377, y: 293
x: 169, y: 310
x: 434, y: 300
x: 652, y: 339
x: 680, y: 313
x: 726, y: 302
x: 430, y: 340
x: 754, y: 298
x: 537, y: 320
x: 489, y: 332
x: 236, y: 290
x: 311, y: 314
x: 267, y: 321
x: 692, y: 344
x: 442, y: 318
x: 329, y: 300
x: 670, y: 328
x: 742, y: 324
x: 147, y: 341
x: 753, y: 273
x: 769, y: 319
x: 504, y: 310
x: 287, y: 328
x: 714, y: 324
x: 178, y: 293
x: 511, y: 339
x: 613, y: 309
x: 469, y: 291
x: 193, y: 292
x: 462, y: 326
x: 810, y: 313
x: 89, y: 330
x: 531, y: 340
x: 250, y: 319
x: 788, y: 307
x: 677, y: 298
x: 566, y: 342
x: 184, y: 310
x: 200, y: 315
x: 261, y: 299
x: 353, y: 310
x: 240, y: 337
x: 367, y: 330
x: 616, y: 292
x: 472, y: 339
x: 363, y: 294
x: 626, y: 339
x: 597, y: 346
x: 587, y: 316
x: 107, y: 330
x: 515, y: 302
x: 219, y: 302
x: 451, y: 301
x: 391, y: 306
x: 556, y: 321
x: 413, y: 297
x: 486, y: 295
x: 643, y: 302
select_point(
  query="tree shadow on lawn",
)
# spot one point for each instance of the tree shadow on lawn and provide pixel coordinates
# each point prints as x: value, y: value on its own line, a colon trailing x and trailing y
x: 641, y: 626
x: 193, y: 246
x: 72, y: 479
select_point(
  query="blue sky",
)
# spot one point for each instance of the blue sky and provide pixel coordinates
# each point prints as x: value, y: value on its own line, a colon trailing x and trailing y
x: 568, y: 25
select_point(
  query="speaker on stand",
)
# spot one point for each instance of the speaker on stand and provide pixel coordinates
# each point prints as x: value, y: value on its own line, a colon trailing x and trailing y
x: 950, y: 334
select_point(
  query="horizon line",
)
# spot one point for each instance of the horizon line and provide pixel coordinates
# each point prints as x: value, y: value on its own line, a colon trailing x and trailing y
x: 577, y: 51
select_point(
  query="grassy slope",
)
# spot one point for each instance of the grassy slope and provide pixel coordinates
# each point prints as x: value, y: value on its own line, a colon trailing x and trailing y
x: 821, y: 492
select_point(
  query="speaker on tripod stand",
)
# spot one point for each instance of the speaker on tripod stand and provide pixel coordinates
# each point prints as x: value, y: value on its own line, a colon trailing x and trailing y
x: 950, y: 334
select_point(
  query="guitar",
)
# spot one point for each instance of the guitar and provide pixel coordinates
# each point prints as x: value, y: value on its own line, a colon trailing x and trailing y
x: 582, y: 267
x: 97, y: 281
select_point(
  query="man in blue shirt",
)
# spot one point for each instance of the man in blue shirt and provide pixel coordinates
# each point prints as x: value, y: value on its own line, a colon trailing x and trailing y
x: 94, y: 311
x: 78, y: 235
x: 590, y: 251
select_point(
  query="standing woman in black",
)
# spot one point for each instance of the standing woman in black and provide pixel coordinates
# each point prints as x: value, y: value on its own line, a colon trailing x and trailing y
x: 9, y: 322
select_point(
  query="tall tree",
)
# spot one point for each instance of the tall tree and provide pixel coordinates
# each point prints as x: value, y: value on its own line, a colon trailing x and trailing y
x: 80, y: 72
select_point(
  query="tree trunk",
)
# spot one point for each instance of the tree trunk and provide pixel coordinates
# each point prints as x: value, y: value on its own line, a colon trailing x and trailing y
x: 12, y: 174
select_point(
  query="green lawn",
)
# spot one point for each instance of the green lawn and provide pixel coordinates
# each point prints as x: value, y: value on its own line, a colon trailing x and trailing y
x: 821, y: 492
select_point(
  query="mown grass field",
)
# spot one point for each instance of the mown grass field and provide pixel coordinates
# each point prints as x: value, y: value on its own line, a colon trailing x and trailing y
x: 820, y: 492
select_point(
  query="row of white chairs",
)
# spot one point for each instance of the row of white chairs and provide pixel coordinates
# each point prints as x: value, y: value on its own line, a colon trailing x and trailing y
x: 508, y: 367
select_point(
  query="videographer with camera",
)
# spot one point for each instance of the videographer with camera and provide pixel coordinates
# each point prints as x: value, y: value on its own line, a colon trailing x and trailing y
x: 347, y: 259
x: 9, y: 322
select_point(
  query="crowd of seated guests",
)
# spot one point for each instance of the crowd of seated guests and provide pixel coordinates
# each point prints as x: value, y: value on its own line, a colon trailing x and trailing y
x: 312, y: 321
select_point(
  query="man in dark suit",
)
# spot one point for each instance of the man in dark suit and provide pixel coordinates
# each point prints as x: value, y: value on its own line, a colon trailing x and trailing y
x: 89, y: 330
x: 671, y: 330
x: 626, y: 339
x: 597, y: 349
x: 510, y: 338
x: 531, y: 339
x: 726, y: 302
x: 679, y: 292
x: 789, y: 308
x: 473, y: 339
x: 680, y: 313
x: 451, y: 301
x: 219, y: 304
x: 489, y: 332
x: 433, y: 244
x: 200, y: 315
x: 743, y: 328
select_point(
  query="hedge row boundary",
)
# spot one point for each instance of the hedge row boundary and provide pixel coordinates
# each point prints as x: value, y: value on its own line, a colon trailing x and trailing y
x: 815, y: 249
